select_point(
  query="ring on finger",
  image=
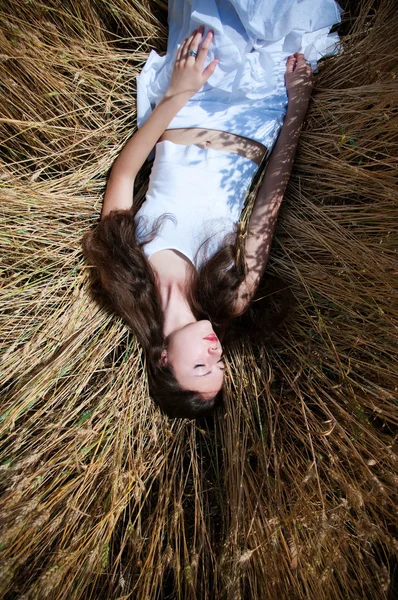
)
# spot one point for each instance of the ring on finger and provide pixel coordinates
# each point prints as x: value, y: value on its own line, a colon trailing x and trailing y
x: 193, y: 53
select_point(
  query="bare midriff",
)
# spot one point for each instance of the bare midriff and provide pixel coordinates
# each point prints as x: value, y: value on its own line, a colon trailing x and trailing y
x: 217, y: 140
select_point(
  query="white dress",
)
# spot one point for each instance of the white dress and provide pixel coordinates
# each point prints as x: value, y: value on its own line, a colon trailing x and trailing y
x: 201, y: 191
x: 246, y: 95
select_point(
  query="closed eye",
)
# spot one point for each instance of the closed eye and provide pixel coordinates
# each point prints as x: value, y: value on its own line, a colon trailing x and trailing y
x: 200, y: 365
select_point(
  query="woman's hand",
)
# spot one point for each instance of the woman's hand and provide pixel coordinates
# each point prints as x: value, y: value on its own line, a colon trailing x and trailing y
x: 188, y: 75
x: 299, y: 83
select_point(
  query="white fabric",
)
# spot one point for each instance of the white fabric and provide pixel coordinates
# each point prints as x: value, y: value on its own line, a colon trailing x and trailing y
x: 246, y: 94
x: 202, y: 191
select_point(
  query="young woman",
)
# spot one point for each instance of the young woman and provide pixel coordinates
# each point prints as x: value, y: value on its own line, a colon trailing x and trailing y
x: 178, y: 270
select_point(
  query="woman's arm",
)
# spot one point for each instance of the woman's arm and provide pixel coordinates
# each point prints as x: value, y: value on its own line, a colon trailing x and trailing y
x: 187, y: 78
x: 299, y: 83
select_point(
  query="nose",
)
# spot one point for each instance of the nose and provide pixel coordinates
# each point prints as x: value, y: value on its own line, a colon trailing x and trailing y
x: 215, y: 349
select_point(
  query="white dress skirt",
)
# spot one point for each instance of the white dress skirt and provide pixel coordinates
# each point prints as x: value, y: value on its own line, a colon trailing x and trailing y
x: 246, y: 95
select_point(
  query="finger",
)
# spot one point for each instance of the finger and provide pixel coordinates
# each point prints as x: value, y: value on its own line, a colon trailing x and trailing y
x: 209, y: 70
x: 194, y: 45
x: 291, y: 63
x: 204, y: 48
x: 182, y: 49
x: 185, y: 49
x: 189, y: 40
x: 197, y: 38
x: 179, y: 51
x: 300, y: 60
x: 200, y: 32
x: 196, y: 30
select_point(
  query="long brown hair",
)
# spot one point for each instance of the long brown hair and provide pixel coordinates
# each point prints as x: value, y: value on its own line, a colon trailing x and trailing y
x: 129, y: 286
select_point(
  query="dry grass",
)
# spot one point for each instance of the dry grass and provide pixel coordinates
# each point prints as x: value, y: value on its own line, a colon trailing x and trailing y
x: 289, y: 492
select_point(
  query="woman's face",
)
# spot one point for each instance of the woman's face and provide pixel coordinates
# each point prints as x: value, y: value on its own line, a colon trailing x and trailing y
x: 194, y: 352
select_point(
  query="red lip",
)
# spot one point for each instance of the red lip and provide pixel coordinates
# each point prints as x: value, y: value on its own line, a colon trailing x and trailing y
x: 212, y: 337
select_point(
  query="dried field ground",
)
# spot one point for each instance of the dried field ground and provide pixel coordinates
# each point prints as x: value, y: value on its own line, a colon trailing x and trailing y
x: 288, y: 492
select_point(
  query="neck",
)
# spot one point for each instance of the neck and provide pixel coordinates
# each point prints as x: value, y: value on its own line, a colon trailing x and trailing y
x: 176, y: 310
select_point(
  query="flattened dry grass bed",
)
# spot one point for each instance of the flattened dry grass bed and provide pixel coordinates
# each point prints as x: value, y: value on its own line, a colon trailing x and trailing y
x: 289, y: 492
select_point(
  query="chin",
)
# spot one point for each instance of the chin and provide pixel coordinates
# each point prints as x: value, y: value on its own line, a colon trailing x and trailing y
x: 206, y: 323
